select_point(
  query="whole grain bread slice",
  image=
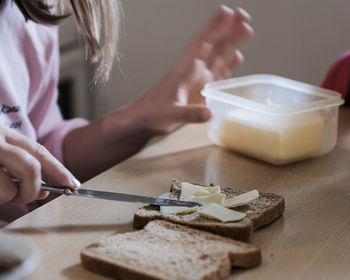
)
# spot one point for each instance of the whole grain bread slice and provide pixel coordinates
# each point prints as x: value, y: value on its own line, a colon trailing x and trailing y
x: 260, y: 212
x: 164, y: 250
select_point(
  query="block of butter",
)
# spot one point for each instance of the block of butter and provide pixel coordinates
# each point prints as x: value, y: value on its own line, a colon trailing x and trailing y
x: 271, y: 138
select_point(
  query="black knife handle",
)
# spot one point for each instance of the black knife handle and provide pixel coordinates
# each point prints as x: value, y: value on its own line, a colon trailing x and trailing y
x: 64, y: 190
x: 50, y: 188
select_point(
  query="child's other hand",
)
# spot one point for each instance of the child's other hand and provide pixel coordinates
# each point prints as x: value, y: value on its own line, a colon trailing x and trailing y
x: 175, y: 100
x: 26, y: 160
x: 211, y: 56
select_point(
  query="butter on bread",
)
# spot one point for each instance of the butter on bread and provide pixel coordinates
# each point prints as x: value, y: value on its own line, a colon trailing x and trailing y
x: 259, y: 212
x: 164, y: 250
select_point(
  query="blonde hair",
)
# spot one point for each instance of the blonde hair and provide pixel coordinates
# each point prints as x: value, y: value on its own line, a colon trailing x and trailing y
x: 98, y: 22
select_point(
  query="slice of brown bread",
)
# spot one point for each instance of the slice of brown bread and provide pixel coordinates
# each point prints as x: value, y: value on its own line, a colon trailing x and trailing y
x: 260, y: 212
x: 164, y: 250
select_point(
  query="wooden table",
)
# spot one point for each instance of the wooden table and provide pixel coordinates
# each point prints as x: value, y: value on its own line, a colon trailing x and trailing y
x: 311, y: 240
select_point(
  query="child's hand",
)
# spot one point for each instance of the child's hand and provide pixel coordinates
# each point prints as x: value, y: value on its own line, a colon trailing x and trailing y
x: 26, y: 160
x: 210, y: 56
x: 175, y: 100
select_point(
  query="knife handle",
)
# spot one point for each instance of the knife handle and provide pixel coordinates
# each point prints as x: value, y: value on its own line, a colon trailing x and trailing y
x: 50, y: 188
x: 61, y: 190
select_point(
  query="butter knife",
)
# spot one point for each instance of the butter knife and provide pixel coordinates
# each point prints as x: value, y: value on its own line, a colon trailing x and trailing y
x: 115, y: 196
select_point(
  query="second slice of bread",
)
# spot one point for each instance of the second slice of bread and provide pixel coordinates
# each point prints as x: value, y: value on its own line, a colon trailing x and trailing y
x: 164, y: 250
x: 260, y: 212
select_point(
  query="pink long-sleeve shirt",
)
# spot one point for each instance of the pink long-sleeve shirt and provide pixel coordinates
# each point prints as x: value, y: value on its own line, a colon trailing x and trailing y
x: 29, y: 73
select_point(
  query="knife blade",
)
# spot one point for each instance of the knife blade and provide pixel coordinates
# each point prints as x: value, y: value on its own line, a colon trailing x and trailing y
x: 119, y: 196
x: 115, y: 196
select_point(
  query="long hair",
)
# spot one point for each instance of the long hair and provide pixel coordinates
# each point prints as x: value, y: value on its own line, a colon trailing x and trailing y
x: 98, y: 22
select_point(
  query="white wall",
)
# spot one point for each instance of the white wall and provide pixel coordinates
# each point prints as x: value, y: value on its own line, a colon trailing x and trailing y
x: 298, y: 39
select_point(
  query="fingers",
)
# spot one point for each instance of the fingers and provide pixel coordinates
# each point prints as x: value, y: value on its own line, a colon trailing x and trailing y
x: 26, y: 168
x: 220, y: 37
x: 26, y: 160
x: 191, y: 114
x: 227, y: 26
x: 204, y: 51
x: 219, y: 21
x: 221, y: 69
x: 8, y: 190
x: 226, y: 29
x: 234, y: 60
x: 242, y: 15
x: 216, y: 43
x: 51, y: 167
x: 208, y: 33
x: 42, y: 195
x: 199, y: 75
x: 224, y: 45
x: 239, y: 33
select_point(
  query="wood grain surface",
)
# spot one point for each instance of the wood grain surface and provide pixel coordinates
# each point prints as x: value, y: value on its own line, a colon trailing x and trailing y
x: 311, y: 240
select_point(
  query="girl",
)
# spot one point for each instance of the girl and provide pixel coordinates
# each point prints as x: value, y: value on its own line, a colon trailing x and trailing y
x: 36, y: 143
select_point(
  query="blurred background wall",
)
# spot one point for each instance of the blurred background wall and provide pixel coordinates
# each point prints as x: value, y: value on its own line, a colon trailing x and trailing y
x: 298, y: 39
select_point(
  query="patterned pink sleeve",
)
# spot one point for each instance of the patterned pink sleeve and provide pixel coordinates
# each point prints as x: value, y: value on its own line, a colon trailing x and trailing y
x: 45, y: 114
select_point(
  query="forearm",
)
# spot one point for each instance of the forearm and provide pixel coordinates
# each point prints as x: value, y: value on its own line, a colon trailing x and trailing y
x: 94, y: 148
x: 173, y: 101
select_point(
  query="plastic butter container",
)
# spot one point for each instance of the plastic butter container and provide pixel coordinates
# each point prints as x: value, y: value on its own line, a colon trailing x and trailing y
x: 272, y: 118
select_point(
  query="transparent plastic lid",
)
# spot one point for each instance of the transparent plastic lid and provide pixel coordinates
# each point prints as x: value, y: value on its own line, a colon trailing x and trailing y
x: 272, y: 94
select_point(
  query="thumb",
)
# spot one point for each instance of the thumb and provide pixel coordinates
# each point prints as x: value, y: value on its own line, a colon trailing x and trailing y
x: 191, y: 114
